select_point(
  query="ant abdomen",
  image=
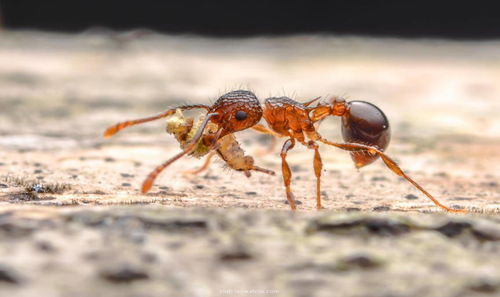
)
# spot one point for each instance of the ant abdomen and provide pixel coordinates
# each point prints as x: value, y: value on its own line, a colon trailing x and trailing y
x: 365, y: 123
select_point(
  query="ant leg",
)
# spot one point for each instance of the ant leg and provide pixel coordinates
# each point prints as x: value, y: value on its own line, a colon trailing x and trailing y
x: 261, y: 129
x: 318, y: 166
x: 122, y: 125
x: 203, y: 167
x: 391, y: 164
x: 264, y: 130
x: 148, y: 182
x: 287, y: 173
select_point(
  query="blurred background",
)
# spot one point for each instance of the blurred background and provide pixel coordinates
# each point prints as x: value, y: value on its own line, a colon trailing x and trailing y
x: 69, y: 69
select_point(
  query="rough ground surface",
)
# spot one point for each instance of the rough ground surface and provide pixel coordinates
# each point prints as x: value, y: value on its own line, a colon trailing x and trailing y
x: 65, y: 229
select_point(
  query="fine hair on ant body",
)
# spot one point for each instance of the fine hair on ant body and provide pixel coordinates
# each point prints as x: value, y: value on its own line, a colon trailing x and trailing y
x: 365, y: 129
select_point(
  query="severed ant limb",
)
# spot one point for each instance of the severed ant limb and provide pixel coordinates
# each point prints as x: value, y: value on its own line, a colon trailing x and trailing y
x: 391, y: 164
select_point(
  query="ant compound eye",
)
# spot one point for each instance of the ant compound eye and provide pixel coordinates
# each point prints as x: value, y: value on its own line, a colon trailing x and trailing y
x: 365, y: 123
x: 241, y: 115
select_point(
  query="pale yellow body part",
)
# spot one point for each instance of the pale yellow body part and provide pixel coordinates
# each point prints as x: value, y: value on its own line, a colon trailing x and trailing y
x: 227, y: 147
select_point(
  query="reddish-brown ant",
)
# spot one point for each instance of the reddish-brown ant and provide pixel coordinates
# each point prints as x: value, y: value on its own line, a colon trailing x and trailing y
x: 232, y: 112
x: 364, y: 126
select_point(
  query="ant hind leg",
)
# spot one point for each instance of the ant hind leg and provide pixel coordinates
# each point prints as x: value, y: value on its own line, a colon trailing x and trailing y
x: 392, y: 165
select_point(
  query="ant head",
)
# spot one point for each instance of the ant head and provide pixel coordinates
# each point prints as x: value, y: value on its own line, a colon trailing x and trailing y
x: 237, y: 110
x: 365, y: 123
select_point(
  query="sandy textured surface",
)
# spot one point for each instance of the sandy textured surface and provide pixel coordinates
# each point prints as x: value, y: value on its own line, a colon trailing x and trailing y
x: 63, y: 188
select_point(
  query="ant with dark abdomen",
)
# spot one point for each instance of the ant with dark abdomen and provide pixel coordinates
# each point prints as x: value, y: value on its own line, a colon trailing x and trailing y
x: 365, y: 129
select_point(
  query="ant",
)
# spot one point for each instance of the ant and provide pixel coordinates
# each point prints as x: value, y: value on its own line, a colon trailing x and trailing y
x: 232, y: 112
x: 365, y: 129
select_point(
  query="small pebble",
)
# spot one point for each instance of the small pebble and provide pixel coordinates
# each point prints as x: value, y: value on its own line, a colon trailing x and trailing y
x: 359, y: 261
x: 45, y: 246
x: 124, y: 274
x: 126, y: 184
x: 236, y: 255
x: 485, y: 286
x: 352, y: 209
x: 7, y: 276
x: 379, y: 178
x: 297, y: 202
x: 411, y: 197
x: 490, y: 184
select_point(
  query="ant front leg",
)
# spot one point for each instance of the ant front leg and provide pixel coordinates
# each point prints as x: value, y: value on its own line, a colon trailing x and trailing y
x: 287, y: 173
x: 391, y: 164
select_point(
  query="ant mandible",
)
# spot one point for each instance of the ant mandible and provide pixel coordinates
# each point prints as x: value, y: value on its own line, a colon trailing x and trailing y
x: 232, y: 112
x: 365, y: 129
